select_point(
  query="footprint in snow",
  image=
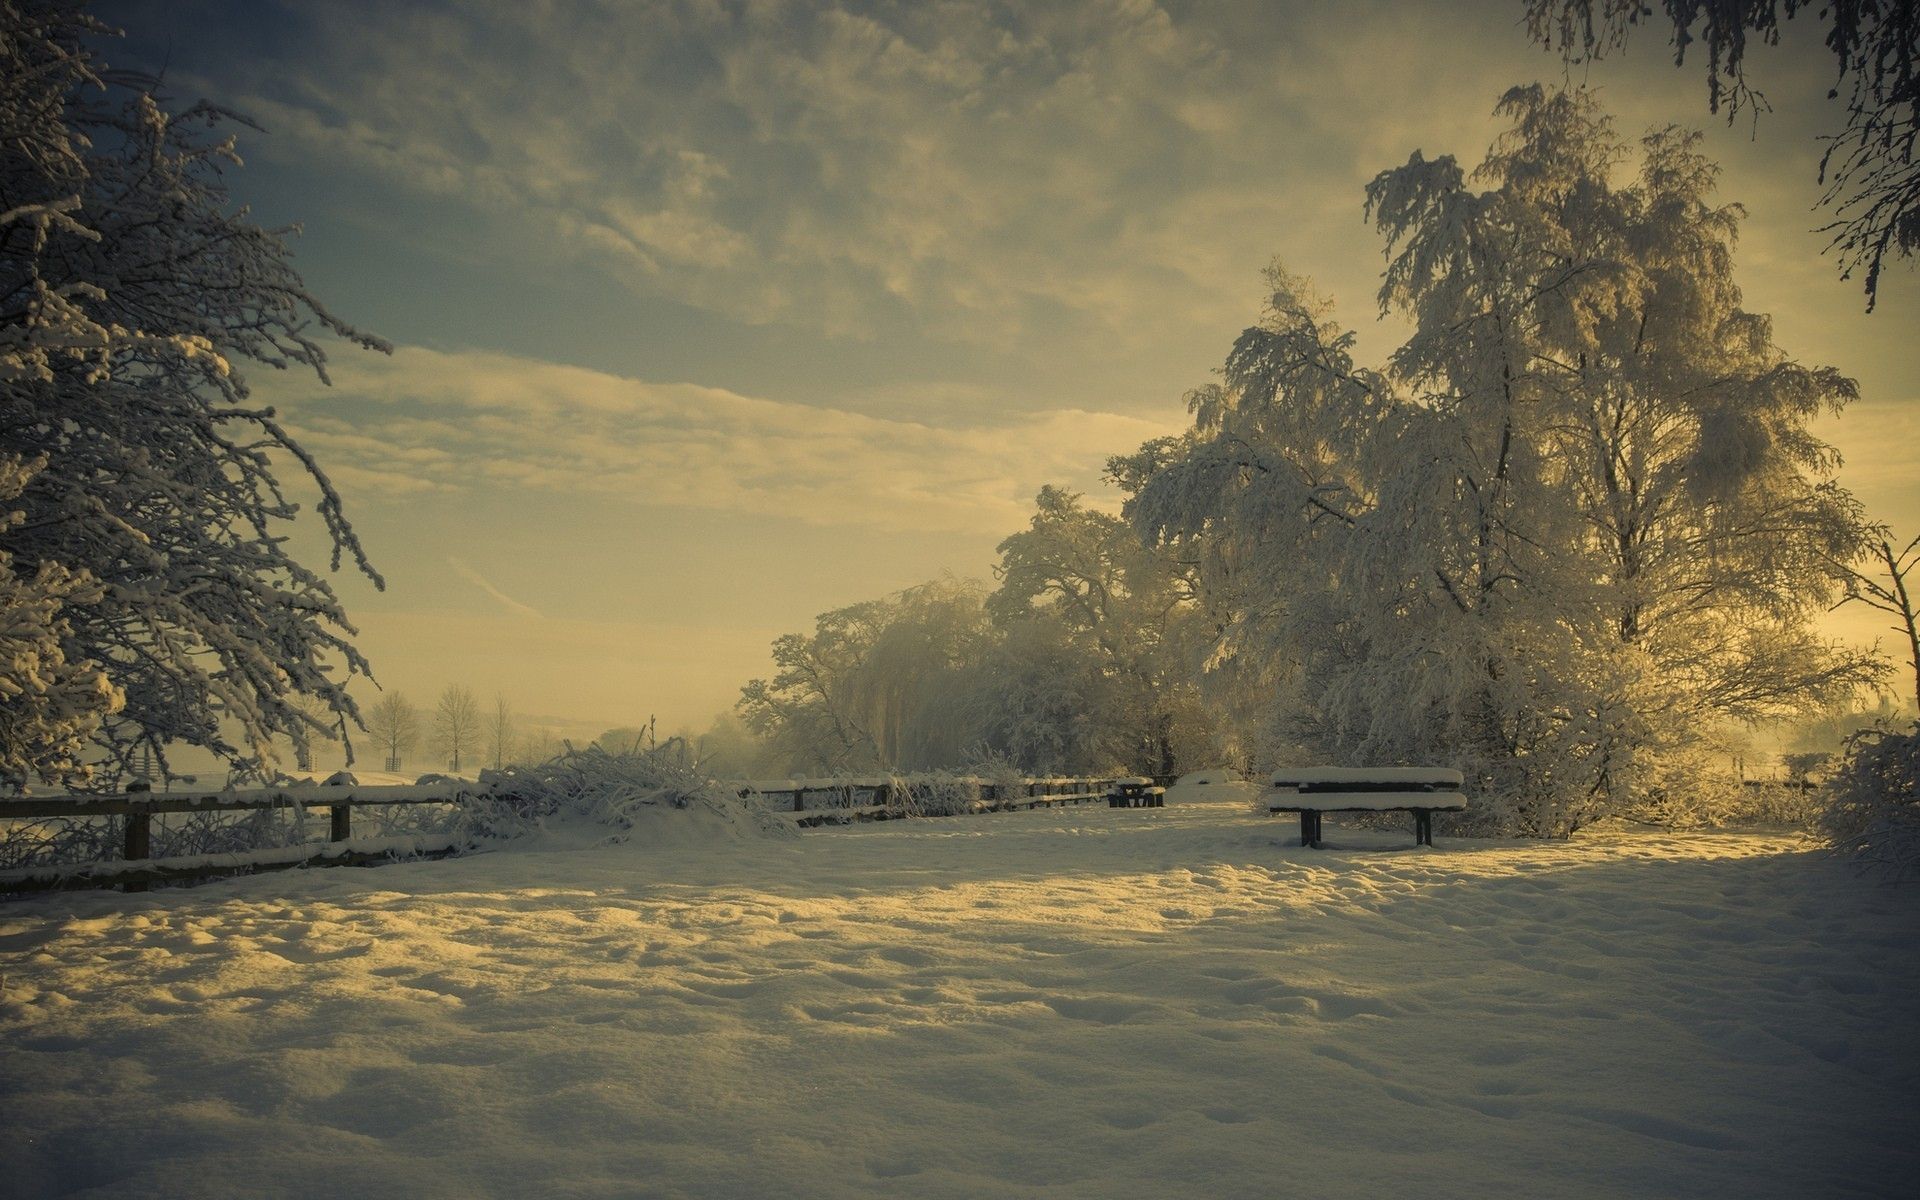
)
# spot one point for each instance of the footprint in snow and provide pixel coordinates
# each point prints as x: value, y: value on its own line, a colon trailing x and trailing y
x: 1103, y: 1012
x: 1133, y: 1118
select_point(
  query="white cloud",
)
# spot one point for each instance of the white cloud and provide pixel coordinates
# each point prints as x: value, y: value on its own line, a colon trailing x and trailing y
x: 427, y: 420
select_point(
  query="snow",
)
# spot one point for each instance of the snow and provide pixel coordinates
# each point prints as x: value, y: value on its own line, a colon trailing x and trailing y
x: 1214, y: 785
x: 1075, y: 1002
x: 242, y: 860
x: 1295, y: 776
x: 1288, y: 800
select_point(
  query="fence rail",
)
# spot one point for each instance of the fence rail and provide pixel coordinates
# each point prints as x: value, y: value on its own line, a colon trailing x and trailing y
x: 139, y: 807
x: 890, y: 792
x: 136, y: 869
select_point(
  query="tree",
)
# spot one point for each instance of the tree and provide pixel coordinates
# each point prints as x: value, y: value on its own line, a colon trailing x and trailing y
x: 500, y: 732
x: 626, y: 739
x: 1576, y: 522
x: 539, y: 745
x: 877, y: 685
x: 456, y: 724
x: 394, y: 726
x: 1869, y: 169
x: 1884, y: 587
x: 49, y: 706
x: 320, y: 722
x: 1122, y: 602
x: 1044, y: 700
x: 131, y: 295
x: 729, y: 750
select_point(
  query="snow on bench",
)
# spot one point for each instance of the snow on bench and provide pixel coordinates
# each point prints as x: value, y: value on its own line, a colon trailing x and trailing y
x: 1312, y: 791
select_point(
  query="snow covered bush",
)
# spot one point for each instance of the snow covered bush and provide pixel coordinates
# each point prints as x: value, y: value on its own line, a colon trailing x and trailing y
x: 606, y: 790
x: 935, y: 793
x: 1873, y: 801
x: 132, y: 291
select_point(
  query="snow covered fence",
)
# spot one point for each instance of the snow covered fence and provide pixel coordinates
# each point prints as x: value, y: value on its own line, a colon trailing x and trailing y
x: 925, y: 794
x: 135, y: 868
x: 603, y: 789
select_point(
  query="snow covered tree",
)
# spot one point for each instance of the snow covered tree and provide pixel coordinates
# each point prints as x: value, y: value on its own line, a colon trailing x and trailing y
x: 394, y: 725
x: 1122, y: 603
x: 132, y: 293
x: 1869, y: 169
x: 1576, y: 521
x: 49, y: 706
x: 1043, y: 700
x: 456, y: 724
x: 877, y: 685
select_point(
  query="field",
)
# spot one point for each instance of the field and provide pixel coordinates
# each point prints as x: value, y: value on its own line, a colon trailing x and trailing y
x: 1069, y: 1003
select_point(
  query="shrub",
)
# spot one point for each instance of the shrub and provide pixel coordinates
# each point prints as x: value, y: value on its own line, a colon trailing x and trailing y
x: 1873, y: 811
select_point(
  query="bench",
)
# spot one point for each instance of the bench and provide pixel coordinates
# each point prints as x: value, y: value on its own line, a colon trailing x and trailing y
x: 1312, y: 791
x: 1136, y: 793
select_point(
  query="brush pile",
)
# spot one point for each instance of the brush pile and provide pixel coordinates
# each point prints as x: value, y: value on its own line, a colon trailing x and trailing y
x: 614, y: 790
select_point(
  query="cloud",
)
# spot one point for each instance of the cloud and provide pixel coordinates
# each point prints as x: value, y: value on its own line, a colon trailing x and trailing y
x: 426, y: 420
x: 986, y: 173
x: 466, y: 572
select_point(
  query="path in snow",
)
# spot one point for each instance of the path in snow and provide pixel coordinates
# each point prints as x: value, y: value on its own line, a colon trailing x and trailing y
x: 1078, y: 1003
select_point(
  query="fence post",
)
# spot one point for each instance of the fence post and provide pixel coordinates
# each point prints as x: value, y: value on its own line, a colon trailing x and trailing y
x: 139, y: 833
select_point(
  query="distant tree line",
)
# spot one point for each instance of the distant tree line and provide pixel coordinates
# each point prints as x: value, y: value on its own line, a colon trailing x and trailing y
x: 460, y: 734
x: 1083, y: 659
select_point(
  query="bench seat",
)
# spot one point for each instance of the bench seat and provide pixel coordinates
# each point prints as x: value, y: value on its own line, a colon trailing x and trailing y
x: 1312, y: 791
x: 1279, y: 800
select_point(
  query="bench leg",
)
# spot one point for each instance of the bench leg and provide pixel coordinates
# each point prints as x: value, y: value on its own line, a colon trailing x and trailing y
x: 1423, y: 827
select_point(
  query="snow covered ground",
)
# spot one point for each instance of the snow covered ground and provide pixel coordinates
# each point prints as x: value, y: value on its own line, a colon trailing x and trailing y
x: 1067, y: 1003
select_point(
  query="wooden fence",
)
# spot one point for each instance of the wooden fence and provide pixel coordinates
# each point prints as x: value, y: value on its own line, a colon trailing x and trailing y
x: 135, y: 870
x: 893, y: 792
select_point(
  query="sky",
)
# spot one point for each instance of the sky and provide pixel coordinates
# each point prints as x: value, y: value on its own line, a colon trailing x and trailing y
x: 709, y: 317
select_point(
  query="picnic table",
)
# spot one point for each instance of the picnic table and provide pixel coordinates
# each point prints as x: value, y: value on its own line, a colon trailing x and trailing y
x: 1138, y: 792
x: 1314, y: 791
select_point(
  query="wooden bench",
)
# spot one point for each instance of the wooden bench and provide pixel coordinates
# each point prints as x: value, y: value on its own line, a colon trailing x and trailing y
x: 1136, y: 793
x: 1312, y: 791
